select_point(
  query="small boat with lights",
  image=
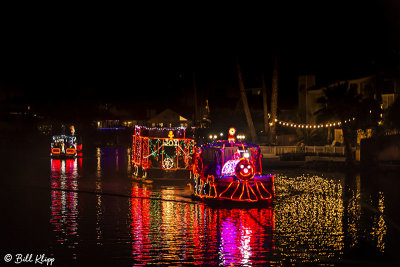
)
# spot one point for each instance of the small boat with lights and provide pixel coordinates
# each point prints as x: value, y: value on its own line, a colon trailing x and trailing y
x: 65, y: 146
x: 161, y: 150
x: 228, y: 170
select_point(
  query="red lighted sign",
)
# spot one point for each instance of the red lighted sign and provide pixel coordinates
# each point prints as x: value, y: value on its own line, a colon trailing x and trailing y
x: 55, y: 150
x: 70, y: 151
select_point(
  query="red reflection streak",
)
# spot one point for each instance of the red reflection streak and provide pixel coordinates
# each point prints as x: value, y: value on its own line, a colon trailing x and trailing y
x: 140, y: 224
x: 197, y: 234
x: 245, y: 235
x: 64, y: 200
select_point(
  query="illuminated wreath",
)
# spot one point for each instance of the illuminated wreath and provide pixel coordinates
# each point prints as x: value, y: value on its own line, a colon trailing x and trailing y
x: 168, y: 163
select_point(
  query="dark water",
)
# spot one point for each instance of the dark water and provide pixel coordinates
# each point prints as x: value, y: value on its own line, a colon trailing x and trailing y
x: 91, y: 211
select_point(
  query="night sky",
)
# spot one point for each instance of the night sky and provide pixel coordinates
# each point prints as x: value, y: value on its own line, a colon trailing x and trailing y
x: 144, y: 56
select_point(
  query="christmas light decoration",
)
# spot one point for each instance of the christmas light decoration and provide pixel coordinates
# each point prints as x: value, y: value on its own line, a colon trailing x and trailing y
x: 229, y: 167
x: 232, y: 132
x: 311, y: 126
x: 168, y: 163
x: 164, y: 148
x: 55, y: 151
x: 244, y: 170
x: 232, y: 171
x: 65, y: 146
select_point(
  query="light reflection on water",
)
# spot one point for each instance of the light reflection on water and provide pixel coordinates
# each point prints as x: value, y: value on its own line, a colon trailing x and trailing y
x: 314, y: 219
x: 64, y: 201
x: 309, y: 213
x: 173, y: 232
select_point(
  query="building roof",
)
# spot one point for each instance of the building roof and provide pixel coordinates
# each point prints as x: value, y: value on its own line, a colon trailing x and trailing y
x: 168, y: 116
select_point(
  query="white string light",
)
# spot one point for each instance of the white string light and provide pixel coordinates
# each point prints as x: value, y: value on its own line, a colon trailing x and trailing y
x: 311, y: 126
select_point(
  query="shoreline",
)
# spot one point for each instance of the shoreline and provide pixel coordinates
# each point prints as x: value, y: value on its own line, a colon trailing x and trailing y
x: 329, y: 166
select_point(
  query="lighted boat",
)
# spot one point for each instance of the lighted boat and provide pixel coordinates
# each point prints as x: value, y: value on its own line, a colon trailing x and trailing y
x: 65, y: 146
x: 231, y: 171
x: 161, y: 148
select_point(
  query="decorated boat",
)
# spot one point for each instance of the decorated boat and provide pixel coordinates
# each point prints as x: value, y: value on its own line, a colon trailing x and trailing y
x: 161, y: 148
x: 65, y: 146
x: 230, y: 170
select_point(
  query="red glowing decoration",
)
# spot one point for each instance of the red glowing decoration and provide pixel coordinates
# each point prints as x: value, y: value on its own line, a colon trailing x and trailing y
x: 70, y: 151
x: 244, y: 170
x: 55, y: 150
x: 231, y: 137
x: 232, y: 171
x: 161, y: 148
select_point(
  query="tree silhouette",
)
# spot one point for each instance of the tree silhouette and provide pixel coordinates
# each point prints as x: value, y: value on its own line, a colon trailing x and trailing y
x: 344, y: 104
x: 245, y: 103
x: 340, y: 103
x: 274, y: 98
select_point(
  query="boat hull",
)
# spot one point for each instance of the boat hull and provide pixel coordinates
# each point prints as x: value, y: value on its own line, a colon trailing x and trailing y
x: 230, y: 189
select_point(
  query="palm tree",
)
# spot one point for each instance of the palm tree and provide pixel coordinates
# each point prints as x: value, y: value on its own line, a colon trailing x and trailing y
x: 245, y: 104
x: 265, y: 105
x: 274, y: 99
x: 341, y: 103
x: 196, y: 112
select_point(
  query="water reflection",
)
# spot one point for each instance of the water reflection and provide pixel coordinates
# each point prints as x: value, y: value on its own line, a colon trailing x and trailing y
x: 379, y: 227
x: 309, y: 212
x: 315, y: 218
x: 169, y: 231
x: 99, y: 204
x: 246, y: 236
x: 64, y: 200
